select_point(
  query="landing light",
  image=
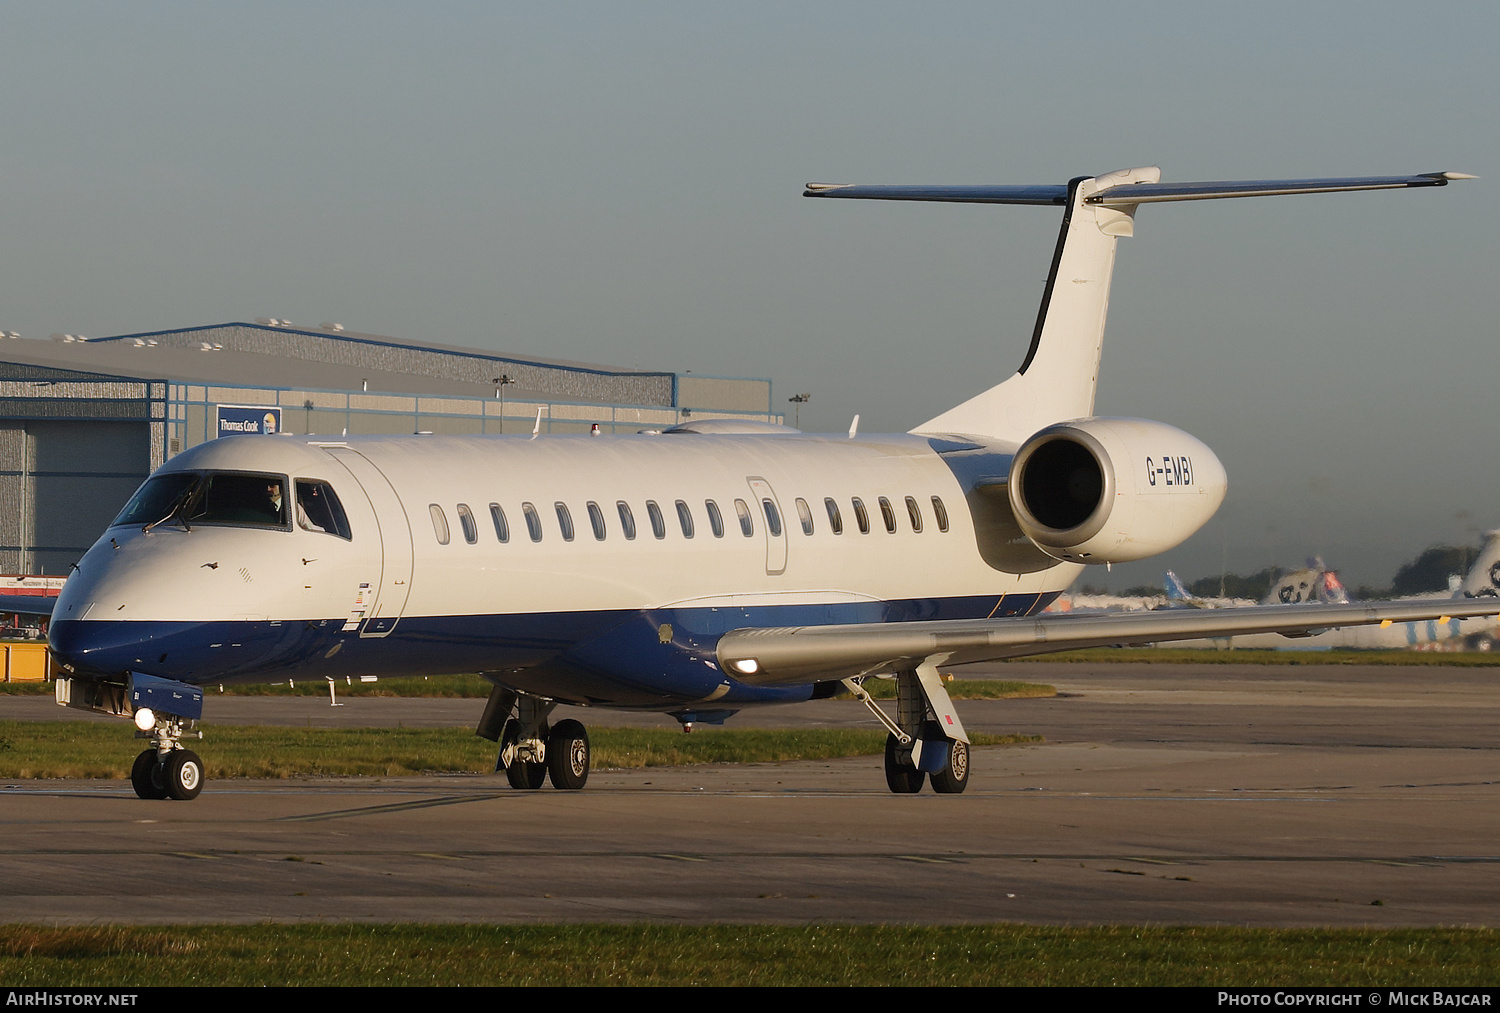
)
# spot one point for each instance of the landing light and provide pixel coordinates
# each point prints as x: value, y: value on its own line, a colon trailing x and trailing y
x: 749, y: 666
x: 145, y: 719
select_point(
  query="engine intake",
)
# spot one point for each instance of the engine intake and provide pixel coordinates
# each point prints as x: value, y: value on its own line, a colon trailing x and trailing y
x: 1113, y: 490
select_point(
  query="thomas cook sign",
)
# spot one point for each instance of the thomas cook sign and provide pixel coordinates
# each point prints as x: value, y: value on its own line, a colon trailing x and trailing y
x: 237, y: 420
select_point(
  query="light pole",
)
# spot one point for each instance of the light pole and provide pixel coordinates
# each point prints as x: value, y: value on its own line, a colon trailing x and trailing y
x: 799, y: 400
x: 501, y: 382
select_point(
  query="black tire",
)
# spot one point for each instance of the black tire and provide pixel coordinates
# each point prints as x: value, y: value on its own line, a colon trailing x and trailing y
x: 183, y: 774
x: 901, y: 778
x: 144, y: 778
x: 953, y: 778
x: 526, y: 776
x: 522, y: 775
x: 568, y: 756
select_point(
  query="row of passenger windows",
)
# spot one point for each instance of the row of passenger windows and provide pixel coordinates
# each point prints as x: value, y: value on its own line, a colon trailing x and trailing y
x: 685, y: 518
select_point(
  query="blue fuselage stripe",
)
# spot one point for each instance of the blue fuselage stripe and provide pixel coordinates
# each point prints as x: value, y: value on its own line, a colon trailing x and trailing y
x: 654, y: 658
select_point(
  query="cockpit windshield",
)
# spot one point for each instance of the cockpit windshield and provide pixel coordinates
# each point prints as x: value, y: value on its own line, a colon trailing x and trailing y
x: 158, y: 499
x: 239, y: 498
x: 234, y: 497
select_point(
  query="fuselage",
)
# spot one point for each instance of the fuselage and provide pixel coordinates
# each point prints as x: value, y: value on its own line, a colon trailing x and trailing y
x: 595, y: 570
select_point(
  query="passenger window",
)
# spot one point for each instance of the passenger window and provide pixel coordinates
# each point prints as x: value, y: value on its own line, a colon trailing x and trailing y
x: 746, y: 527
x: 835, y: 521
x: 915, y: 513
x: 888, y: 515
x: 941, y: 513
x: 439, y: 523
x: 627, y: 520
x: 806, y: 515
x: 861, y: 516
x: 502, y: 529
x: 596, y: 518
x: 773, y: 518
x: 685, y: 518
x: 715, y: 519
x: 319, y: 509
x: 466, y: 521
x: 658, y: 526
x: 533, y: 522
x: 564, y: 521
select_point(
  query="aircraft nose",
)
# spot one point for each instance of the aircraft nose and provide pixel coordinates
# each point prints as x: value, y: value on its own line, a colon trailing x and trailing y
x: 84, y: 647
x: 95, y: 648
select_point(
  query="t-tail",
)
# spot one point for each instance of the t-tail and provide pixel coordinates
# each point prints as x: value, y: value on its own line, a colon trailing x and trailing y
x: 1175, y: 589
x: 1483, y: 580
x: 1057, y: 380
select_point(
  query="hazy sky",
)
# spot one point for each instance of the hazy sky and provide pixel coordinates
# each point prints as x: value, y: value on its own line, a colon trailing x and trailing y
x: 620, y: 183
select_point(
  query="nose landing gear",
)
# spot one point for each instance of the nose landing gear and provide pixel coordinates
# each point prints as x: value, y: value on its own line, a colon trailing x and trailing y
x: 166, y: 770
x: 178, y: 776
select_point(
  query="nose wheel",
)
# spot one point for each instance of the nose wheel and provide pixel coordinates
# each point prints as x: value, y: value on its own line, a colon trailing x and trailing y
x: 144, y: 776
x: 166, y: 770
x: 177, y: 775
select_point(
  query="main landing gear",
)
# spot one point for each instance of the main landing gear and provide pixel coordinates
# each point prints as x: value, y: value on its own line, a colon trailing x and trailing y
x: 166, y: 769
x: 531, y: 750
x: 927, y: 741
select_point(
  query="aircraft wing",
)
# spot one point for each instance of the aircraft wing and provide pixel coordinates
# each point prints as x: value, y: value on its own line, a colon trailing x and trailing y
x: 27, y: 604
x: 795, y: 655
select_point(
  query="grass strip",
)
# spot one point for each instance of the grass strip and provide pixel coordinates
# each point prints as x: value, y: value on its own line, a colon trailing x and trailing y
x: 966, y: 689
x: 47, y: 749
x: 473, y: 687
x: 743, y: 955
x: 453, y: 686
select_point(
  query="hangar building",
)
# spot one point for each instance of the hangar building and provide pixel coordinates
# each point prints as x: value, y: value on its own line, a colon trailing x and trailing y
x: 84, y: 420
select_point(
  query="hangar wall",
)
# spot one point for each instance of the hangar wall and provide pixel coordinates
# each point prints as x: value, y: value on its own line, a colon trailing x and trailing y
x: 73, y: 447
x: 84, y: 421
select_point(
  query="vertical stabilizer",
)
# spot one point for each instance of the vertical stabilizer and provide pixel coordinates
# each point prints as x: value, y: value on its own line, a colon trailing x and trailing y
x: 1057, y: 381
x: 1483, y: 579
x: 1061, y: 372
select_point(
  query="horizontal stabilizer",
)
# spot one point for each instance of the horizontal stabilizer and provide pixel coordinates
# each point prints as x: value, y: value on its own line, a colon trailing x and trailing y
x: 801, y: 654
x: 1150, y: 193
x: 1055, y: 194
x: 1128, y: 193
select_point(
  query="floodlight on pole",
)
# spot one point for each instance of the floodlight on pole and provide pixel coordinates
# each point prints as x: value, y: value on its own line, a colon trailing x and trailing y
x: 501, y: 382
x: 799, y: 400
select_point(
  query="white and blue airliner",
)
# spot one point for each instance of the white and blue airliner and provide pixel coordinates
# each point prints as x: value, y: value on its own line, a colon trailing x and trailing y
x: 696, y: 571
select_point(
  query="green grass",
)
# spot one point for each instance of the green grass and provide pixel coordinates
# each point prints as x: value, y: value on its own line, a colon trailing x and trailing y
x: 122, y: 957
x: 1257, y: 656
x: 456, y: 686
x: 474, y: 687
x: 47, y: 749
x: 965, y: 689
x: 460, y: 686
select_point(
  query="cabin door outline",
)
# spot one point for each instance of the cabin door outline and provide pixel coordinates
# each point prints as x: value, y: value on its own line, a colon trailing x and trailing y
x: 762, y: 492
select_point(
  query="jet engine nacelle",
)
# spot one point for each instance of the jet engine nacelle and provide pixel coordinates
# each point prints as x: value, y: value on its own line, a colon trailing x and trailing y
x: 1113, y: 490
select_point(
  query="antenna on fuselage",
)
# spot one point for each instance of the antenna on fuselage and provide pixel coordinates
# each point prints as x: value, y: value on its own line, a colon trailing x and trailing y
x: 853, y: 427
x: 537, y: 427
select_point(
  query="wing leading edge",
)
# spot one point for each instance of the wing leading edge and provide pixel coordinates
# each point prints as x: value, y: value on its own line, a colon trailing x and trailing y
x: 795, y: 655
x: 27, y: 604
